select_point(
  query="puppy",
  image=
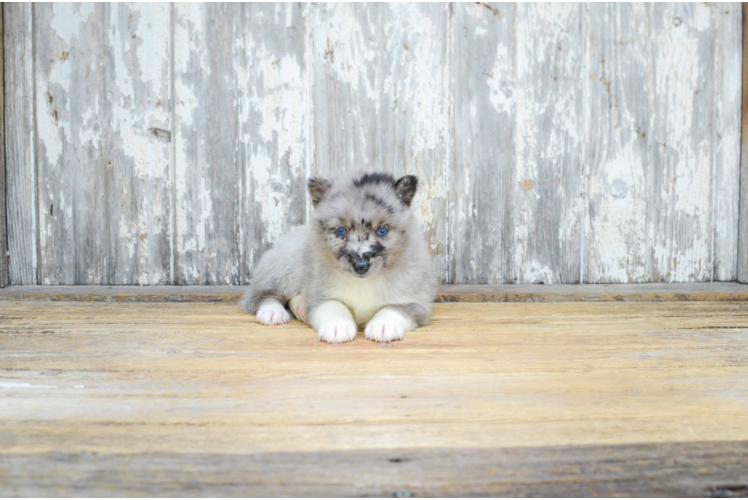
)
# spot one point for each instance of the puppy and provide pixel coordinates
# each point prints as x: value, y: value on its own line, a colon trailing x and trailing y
x: 361, y: 262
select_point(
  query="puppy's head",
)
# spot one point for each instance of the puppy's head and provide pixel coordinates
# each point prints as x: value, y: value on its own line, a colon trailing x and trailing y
x: 361, y: 223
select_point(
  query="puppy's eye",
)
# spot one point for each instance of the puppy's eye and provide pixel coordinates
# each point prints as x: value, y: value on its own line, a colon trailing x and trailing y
x: 340, y: 231
x: 382, y: 232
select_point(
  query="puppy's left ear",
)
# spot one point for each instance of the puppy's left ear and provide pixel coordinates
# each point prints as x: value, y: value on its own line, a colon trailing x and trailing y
x: 318, y: 188
x: 405, y: 188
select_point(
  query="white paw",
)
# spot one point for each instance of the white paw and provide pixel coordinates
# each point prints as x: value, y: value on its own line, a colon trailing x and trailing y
x: 384, y: 330
x: 337, y: 331
x: 388, y: 325
x: 273, y: 313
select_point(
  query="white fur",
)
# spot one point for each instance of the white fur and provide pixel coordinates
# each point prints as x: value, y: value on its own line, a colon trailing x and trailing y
x: 333, y: 322
x: 363, y: 297
x: 272, y: 312
x: 388, y: 325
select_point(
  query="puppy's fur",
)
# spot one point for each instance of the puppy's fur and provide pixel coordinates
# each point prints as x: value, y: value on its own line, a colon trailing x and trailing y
x: 361, y: 262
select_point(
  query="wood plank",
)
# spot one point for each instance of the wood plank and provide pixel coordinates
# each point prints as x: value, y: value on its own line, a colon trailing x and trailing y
x: 381, y: 100
x: 137, y: 143
x: 546, y: 184
x: 743, y: 217
x: 647, y: 292
x: 207, y: 171
x: 4, y: 279
x: 605, y: 398
x: 709, y: 469
x: 682, y: 228
x: 727, y: 26
x: 70, y: 100
x: 275, y: 123
x: 483, y: 152
x: 20, y: 143
x: 619, y: 152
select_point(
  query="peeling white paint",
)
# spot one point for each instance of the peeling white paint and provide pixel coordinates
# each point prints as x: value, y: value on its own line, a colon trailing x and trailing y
x: 500, y: 82
x: 67, y: 20
x: 685, y: 160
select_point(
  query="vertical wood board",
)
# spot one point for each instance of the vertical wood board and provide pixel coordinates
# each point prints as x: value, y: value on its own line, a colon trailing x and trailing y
x: 70, y: 97
x: 681, y: 190
x: 545, y: 185
x: 618, y: 152
x: 728, y: 31
x: 138, y: 76
x: 206, y: 127
x: 483, y: 150
x: 743, y: 195
x: 20, y: 143
x: 3, y: 219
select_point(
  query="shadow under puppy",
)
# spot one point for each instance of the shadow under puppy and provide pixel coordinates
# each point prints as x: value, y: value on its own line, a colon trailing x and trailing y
x: 361, y: 262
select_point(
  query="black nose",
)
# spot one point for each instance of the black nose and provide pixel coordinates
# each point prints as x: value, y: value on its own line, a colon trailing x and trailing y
x: 360, y: 266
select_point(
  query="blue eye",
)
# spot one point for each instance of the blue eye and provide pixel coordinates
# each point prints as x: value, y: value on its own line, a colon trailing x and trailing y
x: 382, y: 232
x: 340, y: 231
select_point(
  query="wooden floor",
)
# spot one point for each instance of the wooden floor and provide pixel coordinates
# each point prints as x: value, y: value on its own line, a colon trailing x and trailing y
x: 575, y: 398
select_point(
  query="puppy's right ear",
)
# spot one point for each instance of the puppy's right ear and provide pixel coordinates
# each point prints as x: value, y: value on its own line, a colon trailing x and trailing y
x: 318, y: 188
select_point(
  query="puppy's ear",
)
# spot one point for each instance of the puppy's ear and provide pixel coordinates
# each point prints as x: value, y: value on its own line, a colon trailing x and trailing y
x: 405, y: 188
x: 318, y: 187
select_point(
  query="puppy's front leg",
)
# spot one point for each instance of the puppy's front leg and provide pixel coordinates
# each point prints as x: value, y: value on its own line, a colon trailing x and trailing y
x: 389, y: 324
x: 333, y: 321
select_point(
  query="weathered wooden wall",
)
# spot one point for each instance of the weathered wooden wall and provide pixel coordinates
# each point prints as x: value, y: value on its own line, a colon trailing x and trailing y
x: 563, y: 143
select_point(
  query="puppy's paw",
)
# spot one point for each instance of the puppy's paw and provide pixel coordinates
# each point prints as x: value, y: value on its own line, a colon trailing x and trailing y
x: 384, y: 331
x: 273, y: 313
x: 337, y: 331
x: 388, y: 325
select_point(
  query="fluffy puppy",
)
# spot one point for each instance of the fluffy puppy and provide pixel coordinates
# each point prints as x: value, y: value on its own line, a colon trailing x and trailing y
x: 361, y: 262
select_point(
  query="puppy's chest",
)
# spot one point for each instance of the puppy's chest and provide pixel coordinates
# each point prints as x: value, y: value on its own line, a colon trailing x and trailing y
x: 363, y: 297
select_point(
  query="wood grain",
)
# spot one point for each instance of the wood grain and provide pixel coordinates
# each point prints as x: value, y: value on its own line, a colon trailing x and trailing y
x: 743, y: 218
x: 4, y: 280
x: 381, y: 100
x: 727, y: 26
x: 619, y: 153
x: 71, y: 120
x: 137, y: 141
x: 545, y: 185
x: 709, y: 469
x: 96, y: 394
x: 483, y: 151
x: 20, y: 143
x: 207, y: 172
x: 680, y: 211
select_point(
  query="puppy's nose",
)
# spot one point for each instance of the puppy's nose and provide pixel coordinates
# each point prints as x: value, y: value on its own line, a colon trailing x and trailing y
x: 361, y: 266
